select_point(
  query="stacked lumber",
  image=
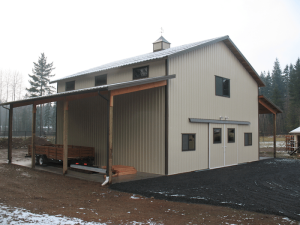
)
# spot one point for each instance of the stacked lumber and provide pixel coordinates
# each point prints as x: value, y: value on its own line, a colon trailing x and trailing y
x: 119, y: 170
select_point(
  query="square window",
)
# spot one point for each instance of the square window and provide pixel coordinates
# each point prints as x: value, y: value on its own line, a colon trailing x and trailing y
x: 141, y: 72
x: 231, y: 135
x: 222, y: 86
x: 217, y: 135
x: 101, y: 80
x: 70, y: 85
x: 248, y: 139
x: 188, y: 142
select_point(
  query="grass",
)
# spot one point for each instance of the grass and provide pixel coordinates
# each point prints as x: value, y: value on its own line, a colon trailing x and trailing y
x: 270, y: 138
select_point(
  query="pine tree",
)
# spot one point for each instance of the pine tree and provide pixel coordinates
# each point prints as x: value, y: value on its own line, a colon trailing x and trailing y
x: 39, y: 83
x: 277, y: 85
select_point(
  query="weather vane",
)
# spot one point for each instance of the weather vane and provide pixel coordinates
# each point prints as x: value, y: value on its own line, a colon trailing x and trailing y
x: 161, y: 31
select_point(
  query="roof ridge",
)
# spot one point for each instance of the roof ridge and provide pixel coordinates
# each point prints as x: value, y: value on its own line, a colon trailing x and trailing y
x: 140, y: 58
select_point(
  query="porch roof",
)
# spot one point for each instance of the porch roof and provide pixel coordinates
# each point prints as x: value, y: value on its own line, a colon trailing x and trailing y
x: 266, y: 106
x: 118, y: 88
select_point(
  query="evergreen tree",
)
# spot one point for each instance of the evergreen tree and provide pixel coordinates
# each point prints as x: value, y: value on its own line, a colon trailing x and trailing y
x: 39, y: 83
x: 277, y: 85
x: 268, y: 82
x: 294, y: 91
x: 40, y: 78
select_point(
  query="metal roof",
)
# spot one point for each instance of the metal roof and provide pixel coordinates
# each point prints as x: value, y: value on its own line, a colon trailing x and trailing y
x: 161, y: 39
x: 172, y: 52
x: 195, y: 120
x: 295, y: 131
x: 108, y: 87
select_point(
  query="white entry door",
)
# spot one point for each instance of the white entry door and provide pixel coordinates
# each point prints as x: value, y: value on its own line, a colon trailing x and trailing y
x: 223, y: 145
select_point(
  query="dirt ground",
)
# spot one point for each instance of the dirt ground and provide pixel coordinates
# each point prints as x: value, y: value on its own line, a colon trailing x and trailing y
x: 44, y: 192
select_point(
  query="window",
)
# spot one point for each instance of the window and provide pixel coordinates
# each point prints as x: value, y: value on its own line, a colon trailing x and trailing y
x: 188, y: 142
x: 217, y: 135
x: 70, y: 85
x: 101, y: 80
x: 222, y: 86
x: 231, y: 135
x: 141, y: 72
x: 248, y: 139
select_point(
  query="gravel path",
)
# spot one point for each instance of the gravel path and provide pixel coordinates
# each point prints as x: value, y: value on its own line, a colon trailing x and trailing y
x: 269, y: 186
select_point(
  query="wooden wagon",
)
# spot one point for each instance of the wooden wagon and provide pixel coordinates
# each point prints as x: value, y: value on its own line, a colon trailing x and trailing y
x: 79, y: 155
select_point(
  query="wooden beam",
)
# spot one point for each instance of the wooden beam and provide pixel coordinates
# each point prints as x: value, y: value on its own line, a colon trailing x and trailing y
x: 138, y: 88
x: 81, y: 96
x: 9, y: 152
x: 274, y: 135
x: 266, y: 106
x: 110, y: 133
x: 33, y: 136
x: 65, y: 137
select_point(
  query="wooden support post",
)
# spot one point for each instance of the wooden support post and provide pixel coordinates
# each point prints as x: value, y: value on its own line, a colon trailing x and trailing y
x: 111, y: 112
x: 65, y: 137
x: 33, y: 136
x: 9, y: 152
x: 274, y: 135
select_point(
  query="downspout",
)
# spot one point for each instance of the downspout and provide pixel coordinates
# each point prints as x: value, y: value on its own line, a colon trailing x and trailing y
x: 107, y: 147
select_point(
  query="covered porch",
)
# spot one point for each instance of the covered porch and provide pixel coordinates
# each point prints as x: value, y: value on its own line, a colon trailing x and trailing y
x: 106, y: 92
x: 268, y: 107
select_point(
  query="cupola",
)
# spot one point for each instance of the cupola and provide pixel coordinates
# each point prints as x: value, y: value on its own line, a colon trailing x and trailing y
x: 161, y: 44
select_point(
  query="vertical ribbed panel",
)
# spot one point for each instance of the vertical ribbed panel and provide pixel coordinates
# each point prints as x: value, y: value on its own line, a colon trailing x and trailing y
x: 192, y: 95
x: 139, y: 127
x: 138, y: 131
x: 117, y: 75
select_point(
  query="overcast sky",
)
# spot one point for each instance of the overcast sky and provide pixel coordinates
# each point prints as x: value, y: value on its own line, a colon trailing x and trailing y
x: 79, y: 35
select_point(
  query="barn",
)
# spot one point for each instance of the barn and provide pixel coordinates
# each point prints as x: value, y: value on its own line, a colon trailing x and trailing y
x: 173, y: 110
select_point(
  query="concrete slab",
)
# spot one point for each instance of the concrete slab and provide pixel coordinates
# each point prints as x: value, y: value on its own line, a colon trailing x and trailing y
x: 89, y: 176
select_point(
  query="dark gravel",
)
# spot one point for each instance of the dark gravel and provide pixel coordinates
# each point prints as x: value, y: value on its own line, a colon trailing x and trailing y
x: 269, y: 186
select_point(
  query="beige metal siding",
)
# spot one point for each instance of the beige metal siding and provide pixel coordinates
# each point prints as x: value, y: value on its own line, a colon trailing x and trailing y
x: 166, y: 45
x: 157, y: 46
x: 192, y: 95
x: 156, y: 68
x: 138, y: 131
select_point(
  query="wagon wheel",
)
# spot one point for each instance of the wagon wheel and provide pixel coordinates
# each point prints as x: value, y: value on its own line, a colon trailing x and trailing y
x: 42, y: 160
x: 37, y: 160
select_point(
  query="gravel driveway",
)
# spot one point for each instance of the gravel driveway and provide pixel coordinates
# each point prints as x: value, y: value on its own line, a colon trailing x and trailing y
x: 269, y: 186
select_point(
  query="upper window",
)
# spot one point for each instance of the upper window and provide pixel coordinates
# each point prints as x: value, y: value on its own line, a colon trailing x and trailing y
x: 231, y: 135
x: 101, y: 80
x: 70, y: 85
x: 222, y: 86
x: 217, y: 135
x: 248, y: 139
x: 188, y: 142
x: 141, y: 72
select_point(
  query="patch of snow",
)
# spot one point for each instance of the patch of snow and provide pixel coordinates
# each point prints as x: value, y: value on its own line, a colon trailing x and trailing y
x: 134, y: 197
x: 9, y: 215
x: 177, y: 195
x: 198, y: 197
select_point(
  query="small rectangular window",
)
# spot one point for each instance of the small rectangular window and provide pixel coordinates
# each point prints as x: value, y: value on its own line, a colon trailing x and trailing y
x: 231, y: 135
x: 217, y: 135
x: 101, y: 80
x: 188, y: 142
x: 248, y: 139
x: 70, y: 85
x: 222, y: 86
x: 141, y: 72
